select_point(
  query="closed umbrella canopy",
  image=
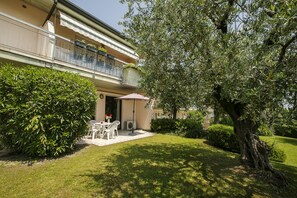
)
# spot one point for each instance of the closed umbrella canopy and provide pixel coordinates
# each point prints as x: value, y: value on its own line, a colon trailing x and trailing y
x: 133, y: 96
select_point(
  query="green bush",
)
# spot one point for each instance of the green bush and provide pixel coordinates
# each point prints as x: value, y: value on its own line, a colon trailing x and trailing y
x: 264, y: 130
x: 287, y: 130
x: 189, y: 128
x: 222, y: 136
x: 43, y: 112
x: 195, y: 115
x: 1, y: 144
x: 182, y: 127
x: 276, y: 154
x: 163, y: 125
x: 226, y: 120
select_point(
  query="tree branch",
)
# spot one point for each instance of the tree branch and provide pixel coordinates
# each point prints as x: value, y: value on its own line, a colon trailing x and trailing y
x: 284, y: 48
x: 222, y: 25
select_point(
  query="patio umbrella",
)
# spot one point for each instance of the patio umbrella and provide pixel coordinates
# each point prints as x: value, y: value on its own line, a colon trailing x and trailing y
x: 134, y: 97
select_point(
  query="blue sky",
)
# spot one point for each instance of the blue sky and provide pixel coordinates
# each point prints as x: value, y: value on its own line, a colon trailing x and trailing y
x: 108, y: 11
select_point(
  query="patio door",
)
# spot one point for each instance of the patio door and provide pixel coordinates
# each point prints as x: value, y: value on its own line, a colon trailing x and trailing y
x: 113, y: 106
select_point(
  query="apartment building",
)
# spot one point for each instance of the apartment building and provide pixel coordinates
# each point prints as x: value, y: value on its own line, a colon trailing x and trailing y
x: 58, y: 34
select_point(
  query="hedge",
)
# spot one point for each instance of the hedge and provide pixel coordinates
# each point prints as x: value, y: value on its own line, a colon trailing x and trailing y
x: 43, y: 111
x: 190, y: 128
x: 287, y: 130
x: 222, y: 136
x: 163, y: 125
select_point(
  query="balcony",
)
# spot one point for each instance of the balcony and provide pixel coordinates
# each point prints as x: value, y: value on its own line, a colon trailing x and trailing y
x: 24, y: 39
x: 68, y: 52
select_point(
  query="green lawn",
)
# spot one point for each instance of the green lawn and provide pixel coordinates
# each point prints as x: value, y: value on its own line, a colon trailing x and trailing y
x: 159, y: 166
x: 288, y: 145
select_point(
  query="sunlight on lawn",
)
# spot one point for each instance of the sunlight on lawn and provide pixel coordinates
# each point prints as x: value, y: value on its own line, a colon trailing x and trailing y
x: 288, y: 145
x: 159, y: 166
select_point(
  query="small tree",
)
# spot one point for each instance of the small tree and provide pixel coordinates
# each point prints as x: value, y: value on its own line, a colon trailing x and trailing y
x: 169, y: 89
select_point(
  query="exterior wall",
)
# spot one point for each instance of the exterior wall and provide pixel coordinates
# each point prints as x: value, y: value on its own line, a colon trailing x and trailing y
x: 100, y: 108
x: 127, y: 112
x: 144, y: 114
x: 142, y: 117
x: 29, y: 14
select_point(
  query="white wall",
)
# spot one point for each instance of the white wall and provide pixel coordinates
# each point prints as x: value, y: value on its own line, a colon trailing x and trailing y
x: 100, y: 108
x: 127, y: 112
x: 144, y: 115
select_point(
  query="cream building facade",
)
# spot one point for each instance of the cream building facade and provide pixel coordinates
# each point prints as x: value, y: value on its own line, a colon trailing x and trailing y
x: 58, y: 34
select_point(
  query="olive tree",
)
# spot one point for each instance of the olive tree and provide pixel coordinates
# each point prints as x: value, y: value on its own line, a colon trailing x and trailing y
x: 241, y: 53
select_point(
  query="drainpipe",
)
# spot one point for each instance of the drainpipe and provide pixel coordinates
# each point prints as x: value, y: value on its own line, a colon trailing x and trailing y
x: 51, y: 12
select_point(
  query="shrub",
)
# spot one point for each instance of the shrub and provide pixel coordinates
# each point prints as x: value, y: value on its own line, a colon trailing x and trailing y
x: 182, y: 127
x: 276, y: 154
x: 189, y: 128
x: 288, y: 130
x: 1, y: 144
x: 226, y: 120
x: 163, y: 125
x: 43, y: 112
x: 195, y: 115
x: 222, y: 136
x: 264, y: 130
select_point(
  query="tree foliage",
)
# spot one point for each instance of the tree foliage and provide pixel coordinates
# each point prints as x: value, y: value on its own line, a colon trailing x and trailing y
x: 242, y: 53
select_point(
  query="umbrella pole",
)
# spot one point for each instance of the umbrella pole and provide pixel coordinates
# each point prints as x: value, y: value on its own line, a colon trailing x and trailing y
x: 133, y: 116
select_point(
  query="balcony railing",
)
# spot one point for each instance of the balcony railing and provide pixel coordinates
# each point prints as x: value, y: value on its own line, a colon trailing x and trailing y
x: 68, y: 52
x: 25, y: 38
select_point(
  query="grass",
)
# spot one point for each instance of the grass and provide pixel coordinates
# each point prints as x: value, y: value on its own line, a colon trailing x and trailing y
x: 159, y: 166
x: 288, y: 145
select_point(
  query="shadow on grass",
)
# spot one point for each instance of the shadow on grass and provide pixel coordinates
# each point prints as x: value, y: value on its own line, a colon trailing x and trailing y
x: 175, y: 170
x: 10, y: 156
x: 289, y: 171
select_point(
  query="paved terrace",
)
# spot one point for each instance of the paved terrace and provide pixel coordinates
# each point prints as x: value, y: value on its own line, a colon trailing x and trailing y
x: 123, y: 137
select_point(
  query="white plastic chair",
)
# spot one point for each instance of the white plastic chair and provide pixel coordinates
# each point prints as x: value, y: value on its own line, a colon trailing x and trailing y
x: 90, y: 127
x: 117, y: 123
x: 97, y: 130
x: 110, y: 131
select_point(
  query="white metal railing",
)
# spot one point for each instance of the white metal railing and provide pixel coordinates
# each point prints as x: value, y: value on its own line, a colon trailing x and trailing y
x: 26, y: 38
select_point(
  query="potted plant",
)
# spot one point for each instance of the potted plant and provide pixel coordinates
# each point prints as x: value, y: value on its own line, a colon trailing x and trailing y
x: 132, y: 74
x: 92, y: 48
x: 102, y: 51
x: 108, y: 117
x: 110, y: 56
x: 80, y: 43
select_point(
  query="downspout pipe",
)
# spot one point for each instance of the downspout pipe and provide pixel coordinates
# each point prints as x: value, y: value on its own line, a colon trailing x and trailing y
x: 51, y: 12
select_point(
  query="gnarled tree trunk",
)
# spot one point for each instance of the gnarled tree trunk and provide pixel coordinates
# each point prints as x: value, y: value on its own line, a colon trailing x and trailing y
x: 253, y: 152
